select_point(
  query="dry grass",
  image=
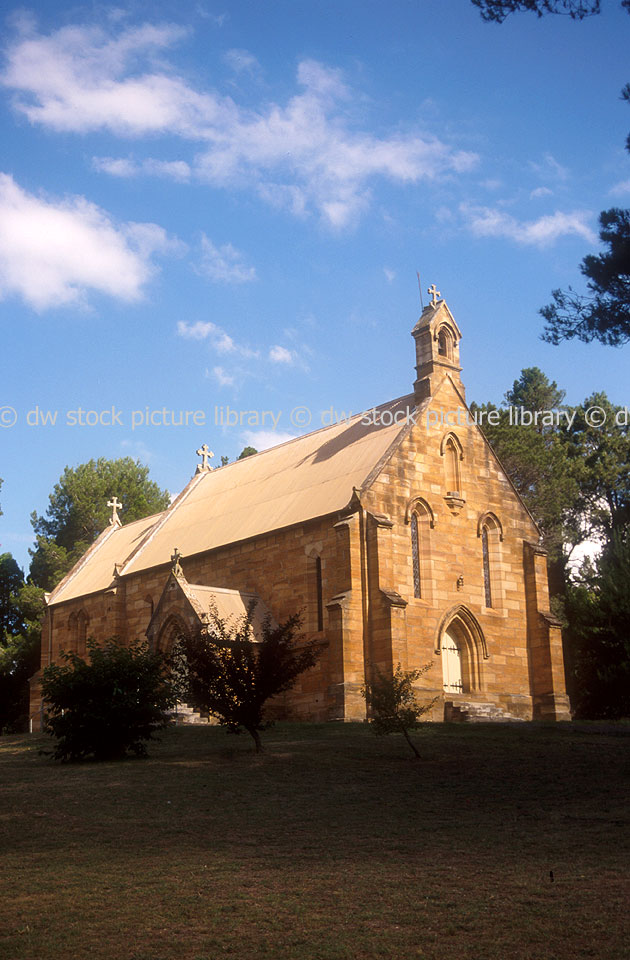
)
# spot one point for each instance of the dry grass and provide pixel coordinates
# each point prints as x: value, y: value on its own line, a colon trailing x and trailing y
x: 334, y: 845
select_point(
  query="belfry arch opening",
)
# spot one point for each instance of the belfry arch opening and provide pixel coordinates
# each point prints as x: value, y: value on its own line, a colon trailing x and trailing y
x: 445, y: 343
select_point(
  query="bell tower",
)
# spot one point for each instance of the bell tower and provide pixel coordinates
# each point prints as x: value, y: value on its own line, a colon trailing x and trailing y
x: 437, y: 339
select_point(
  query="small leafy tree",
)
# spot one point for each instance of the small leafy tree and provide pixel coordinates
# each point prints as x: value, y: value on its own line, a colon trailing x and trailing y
x: 104, y: 707
x: 226, y: 671
x: 392, y: 703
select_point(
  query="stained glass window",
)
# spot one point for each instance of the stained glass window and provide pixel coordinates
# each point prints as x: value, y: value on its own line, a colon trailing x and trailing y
x: 415, y: 555
x: 487, y: 586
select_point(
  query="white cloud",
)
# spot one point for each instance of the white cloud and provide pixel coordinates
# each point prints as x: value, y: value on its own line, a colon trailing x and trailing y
x: 541, y: 192
x: 241, y: 61
x: 221, y: 341
x: 303, y: 155
x: 224, y: 264
x: 486, y: 222
x: 263, y: 439
x: 74, y: 80
x: 620, y: 189
x: 223, y: 379
x: 281, y: 355
x: 53, y: 252
x: 177, y: 170
x: 550, y: 168
x: 390, y: 275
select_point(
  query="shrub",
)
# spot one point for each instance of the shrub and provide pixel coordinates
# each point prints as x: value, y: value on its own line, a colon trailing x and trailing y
x: 392, y: 704
x: 108, y: 705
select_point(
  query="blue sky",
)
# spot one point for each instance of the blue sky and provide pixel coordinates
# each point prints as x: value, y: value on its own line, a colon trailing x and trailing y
x: 225, y: 205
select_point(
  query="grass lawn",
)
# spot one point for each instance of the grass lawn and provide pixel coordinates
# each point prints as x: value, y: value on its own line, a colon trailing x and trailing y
x: 332, y: 845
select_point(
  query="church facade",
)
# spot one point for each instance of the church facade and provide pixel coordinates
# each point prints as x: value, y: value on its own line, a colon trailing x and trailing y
x: 396, y: 534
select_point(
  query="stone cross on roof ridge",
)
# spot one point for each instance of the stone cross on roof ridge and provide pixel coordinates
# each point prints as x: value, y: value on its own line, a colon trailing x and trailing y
x: 435, y: 294
x: 176, y: 567
x: 205, y: 453
x: 116, y: 506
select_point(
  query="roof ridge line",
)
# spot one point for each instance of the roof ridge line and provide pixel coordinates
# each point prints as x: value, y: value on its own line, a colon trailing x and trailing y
x: 311, y: 433
x: 151, y: 532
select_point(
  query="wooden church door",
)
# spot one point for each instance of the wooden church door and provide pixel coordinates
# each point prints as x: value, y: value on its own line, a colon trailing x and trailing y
x: 451, y: 665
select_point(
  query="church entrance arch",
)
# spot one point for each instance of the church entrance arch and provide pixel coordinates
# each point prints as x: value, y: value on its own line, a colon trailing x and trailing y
x: 173, y: 629
x: 451, y: 664
x: 462, y: 648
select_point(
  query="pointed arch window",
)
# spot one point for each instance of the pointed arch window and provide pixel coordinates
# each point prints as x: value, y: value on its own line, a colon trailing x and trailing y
x: 452, y: 451
x: 420, y: 519
x: 415, y: 556
x: 490, y: 532
x: 487, y: 583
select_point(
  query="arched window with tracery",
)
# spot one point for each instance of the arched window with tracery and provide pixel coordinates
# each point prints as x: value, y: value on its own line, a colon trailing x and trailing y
x: 490, y: 533
x: 415, y: 556
x: 421, y: 520
x: 487, y: 582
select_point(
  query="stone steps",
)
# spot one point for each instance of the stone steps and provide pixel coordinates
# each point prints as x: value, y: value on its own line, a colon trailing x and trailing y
x: 185, y: 714
x: 463, y: 712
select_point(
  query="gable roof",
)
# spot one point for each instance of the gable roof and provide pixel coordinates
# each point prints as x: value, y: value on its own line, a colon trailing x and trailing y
x: 95, y: 570
x: 311, y: 476
x: 207, y: 604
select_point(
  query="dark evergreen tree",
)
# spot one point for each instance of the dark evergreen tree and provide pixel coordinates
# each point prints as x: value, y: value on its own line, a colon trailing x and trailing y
x: 598, y: 610
x: 77, y: 512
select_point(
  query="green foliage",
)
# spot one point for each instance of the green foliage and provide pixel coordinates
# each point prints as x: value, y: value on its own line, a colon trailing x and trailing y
x: 21, y: 612
x: 109, y: 705
x: 598, y: 609
x: 225, y: 671
x: 392, y: 703
x: 246, y: 452
x: 498, y: 10
x: 77, y: 512
x: 50, y: 562
x: 599, y: 460
x: 536, y: 459
x: 604, y: 315
x: 11, y: 579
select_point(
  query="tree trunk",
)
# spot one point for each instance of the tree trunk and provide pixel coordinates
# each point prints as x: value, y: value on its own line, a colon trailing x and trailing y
x: 256, y: 737
x: 411, y: 744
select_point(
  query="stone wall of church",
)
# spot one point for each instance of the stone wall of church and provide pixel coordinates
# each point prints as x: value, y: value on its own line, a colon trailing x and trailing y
x: 279, y: 567
x: 517, y: 641
x: 369, y: 611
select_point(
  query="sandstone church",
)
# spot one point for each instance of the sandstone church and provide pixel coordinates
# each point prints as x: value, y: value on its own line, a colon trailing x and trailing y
x: 396, y: 534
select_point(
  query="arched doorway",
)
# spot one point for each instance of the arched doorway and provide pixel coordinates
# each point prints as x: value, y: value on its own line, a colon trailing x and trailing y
x: 451, y: 664
x: 172, y: 630
x: 462, y: 648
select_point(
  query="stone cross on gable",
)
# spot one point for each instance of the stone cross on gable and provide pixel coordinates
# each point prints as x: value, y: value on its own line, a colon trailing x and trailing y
x: 177, y: 567
x: 205, y: 453
x: 435, y: 293
x: 116, y: 506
